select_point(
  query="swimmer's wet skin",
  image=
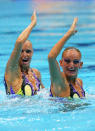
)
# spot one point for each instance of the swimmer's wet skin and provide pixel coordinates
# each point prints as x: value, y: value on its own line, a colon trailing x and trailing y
x: 20, y: 79
x: 65, y: 83
x: 27, y: 87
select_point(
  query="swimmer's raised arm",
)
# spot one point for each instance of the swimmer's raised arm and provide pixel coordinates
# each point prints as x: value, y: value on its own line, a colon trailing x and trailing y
x: 57, y: 48
x: 13, y: 62
x: 25, y: 34
x: 58, y: 81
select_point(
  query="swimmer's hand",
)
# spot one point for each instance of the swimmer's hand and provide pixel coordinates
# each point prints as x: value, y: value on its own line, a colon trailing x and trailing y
x: 73, y: 26
x: 34, y: 18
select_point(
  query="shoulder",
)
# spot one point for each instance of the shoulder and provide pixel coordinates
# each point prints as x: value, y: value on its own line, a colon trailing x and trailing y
x: 80, y: 81
x: 37, y: 73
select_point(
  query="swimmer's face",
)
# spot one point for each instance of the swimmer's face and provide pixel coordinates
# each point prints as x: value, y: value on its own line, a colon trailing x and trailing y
x: 26, y: 54
x: 71, y: 62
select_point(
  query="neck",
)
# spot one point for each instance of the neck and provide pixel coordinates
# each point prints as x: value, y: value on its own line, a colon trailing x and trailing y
x: 71, y: 79
x: 24, y: 69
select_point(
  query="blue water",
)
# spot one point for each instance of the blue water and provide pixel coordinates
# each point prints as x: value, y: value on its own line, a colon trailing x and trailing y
x: 54, y: 17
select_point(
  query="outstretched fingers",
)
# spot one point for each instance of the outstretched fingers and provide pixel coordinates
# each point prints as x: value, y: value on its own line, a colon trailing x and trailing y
x: 75, y: 22
x: 73, y: 26
x: 34, y: 18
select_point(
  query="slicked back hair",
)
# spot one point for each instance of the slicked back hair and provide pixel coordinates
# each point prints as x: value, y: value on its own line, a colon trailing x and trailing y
x: 71, y: 48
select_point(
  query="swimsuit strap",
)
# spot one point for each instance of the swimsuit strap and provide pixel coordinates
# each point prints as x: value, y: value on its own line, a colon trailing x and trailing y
x: 51, y: 92
x: 83, y: 92
x: 73, y: 89
x: 11, y: 90
x: 5, y: 85
x: 38, y: 81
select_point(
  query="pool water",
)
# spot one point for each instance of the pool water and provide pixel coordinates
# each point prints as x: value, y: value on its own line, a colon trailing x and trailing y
x: 54, y: 17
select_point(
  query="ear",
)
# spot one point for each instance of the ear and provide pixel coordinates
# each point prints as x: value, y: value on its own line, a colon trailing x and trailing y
x: 80, y: 65
x: 61, y: 63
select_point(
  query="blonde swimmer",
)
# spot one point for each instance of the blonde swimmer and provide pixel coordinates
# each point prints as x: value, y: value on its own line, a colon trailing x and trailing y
x: 65, y: 83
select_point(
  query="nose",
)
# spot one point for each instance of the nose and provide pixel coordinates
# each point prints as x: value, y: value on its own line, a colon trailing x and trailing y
x: 71, y: 64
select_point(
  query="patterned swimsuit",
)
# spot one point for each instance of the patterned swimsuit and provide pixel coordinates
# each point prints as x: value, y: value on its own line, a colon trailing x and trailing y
x: 26, y: 83
x: 73, y: 92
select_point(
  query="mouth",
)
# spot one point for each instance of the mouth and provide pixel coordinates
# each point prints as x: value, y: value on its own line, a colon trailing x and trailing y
x: 25, y: 61
x: 71, y: 70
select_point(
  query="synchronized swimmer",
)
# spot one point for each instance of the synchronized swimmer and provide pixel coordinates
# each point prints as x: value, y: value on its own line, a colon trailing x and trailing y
x: 20, y: 79
x: 66, y: 83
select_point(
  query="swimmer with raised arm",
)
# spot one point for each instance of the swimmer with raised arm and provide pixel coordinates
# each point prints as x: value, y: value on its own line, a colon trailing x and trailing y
x: 20, y: 79
x: 66, y: 83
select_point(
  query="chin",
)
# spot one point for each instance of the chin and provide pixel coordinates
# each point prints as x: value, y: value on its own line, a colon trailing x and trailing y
x: 73, y: 75
x: 23, y: 65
